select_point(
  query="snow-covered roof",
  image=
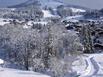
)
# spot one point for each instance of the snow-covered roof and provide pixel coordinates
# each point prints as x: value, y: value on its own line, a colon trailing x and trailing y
x: 77, y: 10
x: 1, y: 61
x: 30, y: 23
x: 75, y: 18
x: 2, y: 22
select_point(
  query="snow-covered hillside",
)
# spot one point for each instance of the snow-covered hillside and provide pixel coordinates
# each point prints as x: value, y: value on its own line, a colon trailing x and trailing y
x: 47, y: 13
x: 47, y: 36
x: 55, y: 3
x: 50, y: 3
x: 7, y: 72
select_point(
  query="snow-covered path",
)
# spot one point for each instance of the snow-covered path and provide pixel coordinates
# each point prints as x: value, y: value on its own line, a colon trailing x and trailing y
x: 95, y: 65
x: 93, y: 68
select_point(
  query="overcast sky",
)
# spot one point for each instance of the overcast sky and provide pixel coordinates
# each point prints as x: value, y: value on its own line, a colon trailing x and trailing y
x: 95, y: 4
x: 98, y: 4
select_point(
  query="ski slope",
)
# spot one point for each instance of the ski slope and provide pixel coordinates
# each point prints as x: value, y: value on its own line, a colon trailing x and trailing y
x: 47, y: 14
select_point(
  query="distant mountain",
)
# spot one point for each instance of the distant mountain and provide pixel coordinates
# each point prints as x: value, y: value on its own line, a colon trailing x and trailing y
x: 25, y: 4
x: 46, y: 3
x: 5, y: 3
x: 52, y: 8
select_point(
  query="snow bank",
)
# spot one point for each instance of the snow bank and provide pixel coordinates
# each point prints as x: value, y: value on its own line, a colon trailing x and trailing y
x: 18, y: 73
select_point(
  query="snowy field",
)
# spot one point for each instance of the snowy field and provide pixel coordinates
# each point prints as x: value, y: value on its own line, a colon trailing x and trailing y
x: 6, y: 72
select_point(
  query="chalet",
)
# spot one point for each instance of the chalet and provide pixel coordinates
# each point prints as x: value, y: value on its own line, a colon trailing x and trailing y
x: 100, y: 33
x: 98, y: 46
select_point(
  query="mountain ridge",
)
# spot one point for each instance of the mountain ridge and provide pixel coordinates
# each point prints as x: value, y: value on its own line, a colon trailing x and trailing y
x: 51, y: 3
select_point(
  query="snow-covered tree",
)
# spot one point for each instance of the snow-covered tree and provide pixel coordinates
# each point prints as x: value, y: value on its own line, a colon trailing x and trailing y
x: 50, y: 49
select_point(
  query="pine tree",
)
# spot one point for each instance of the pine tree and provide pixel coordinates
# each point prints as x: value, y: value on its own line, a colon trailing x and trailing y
x: 87, y: 39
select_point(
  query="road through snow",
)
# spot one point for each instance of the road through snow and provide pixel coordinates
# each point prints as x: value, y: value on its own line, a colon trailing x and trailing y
x: 93, y: 68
